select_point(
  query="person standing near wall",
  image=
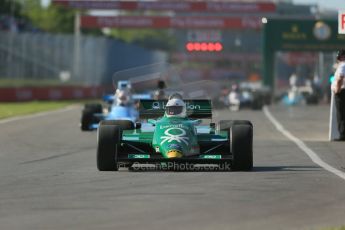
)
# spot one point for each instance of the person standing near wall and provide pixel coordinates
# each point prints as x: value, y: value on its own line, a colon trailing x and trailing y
x: 338, y: 88
x: 159, y: 94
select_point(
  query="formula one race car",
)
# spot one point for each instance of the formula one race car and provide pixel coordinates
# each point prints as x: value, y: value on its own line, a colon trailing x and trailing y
x: 92, y: 114
x: 248, y: 95
x: 121, y: 107
x: 301, y: 95
x: 175, y: 137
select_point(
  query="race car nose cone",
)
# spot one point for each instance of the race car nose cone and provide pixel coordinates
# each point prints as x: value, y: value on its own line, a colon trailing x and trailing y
x: 174, y: 153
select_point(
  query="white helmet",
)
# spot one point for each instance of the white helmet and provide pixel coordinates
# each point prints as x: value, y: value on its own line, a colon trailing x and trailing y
x: 175, y: 108
x: 122, y: 98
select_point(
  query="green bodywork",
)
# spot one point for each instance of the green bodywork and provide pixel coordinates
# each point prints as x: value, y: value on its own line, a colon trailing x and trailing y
x: 177, y: 134
x: 182, y: 135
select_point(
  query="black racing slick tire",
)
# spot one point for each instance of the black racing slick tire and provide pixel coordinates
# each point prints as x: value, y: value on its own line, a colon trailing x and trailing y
x: 86, y: 119
x: 107, y: 147
x: 241, y: 147
x: 124, y: 124
x: 87, y: 116
x: 96, y: 108
x: 258, y: 103
x: 227, y: 124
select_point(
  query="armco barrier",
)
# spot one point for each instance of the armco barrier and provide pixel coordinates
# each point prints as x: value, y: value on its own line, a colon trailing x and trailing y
x: 51, y: 93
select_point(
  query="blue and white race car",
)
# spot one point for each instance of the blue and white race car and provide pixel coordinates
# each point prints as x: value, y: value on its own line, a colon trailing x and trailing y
x: 92, y: 114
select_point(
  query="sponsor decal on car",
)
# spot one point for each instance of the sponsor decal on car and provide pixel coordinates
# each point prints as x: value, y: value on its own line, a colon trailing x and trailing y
x: 156, y: 105
x: 161, y: 105
x: 211, y: 156
x: 138, y: 156
x: 180, y: 137
x: 172, y: 126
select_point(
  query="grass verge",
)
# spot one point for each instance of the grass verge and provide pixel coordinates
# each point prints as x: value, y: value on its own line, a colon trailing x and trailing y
x: 23, y: 108
x: 10, y: 82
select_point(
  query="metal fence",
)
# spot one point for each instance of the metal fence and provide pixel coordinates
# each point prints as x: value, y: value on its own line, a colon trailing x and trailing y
x: 44, y: 56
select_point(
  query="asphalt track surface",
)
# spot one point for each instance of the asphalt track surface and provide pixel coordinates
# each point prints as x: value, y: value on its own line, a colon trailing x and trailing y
x: 49, y: 180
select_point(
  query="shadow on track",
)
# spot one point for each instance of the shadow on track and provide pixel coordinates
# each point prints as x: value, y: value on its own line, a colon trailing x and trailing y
x: 286, y: 168
x: 216, y: 169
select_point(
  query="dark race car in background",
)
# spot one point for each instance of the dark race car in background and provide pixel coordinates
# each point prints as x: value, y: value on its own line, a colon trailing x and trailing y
x: 248, y: 95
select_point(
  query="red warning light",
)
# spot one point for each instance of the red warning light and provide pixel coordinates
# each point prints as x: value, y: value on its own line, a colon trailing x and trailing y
x: 204, y: 46
x: 190, y: 46
x: 210, y: 47
x: 218, y: 46
x: 197, y: 46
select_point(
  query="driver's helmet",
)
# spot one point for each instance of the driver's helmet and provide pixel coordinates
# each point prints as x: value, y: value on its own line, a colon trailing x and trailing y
x: 176, y: 107
x: 235, y: 88
x: 122, y: 98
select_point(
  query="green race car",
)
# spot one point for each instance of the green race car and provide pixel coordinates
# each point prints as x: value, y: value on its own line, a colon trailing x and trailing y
x: 173, y: 137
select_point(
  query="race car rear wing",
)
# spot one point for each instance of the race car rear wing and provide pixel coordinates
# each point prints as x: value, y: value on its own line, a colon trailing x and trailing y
x: 109, y: 98
x: 195, y: 108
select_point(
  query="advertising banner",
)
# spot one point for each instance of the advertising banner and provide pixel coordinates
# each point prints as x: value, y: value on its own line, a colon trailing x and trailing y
x: 229, y: 7
x: 193, y: 22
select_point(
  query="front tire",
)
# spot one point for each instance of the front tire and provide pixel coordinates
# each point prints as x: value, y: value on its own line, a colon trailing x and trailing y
x: 107, y: 147
x: 241, y: 147
x: 124, y: 124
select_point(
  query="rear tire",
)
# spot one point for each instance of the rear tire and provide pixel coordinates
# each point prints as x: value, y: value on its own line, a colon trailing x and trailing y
x: 124, y: 124
x: 87, y: 117
x: 225, y: 125
x: 107, y: 147
x: 97, y: 108
x: 258, y: 103
x: 241, y: 147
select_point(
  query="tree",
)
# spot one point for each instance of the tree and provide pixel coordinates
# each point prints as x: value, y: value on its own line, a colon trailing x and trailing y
x: 148, y: 38
x: 55, y: 19
x: 10, y: 7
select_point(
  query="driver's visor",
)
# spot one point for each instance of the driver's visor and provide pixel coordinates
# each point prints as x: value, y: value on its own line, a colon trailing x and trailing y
x: 174, y: 110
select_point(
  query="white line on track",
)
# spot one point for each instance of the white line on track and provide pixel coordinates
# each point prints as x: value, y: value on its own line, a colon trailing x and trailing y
x: 313, y: 156
x: 8, y: 120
